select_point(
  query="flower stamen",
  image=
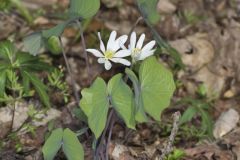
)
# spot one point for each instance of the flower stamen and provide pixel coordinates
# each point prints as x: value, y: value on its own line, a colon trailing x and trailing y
x: 109, y: 54
x: 136, y: 51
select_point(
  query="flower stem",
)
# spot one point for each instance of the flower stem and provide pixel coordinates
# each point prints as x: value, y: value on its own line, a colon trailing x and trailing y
x: 74, y: 84
x: 84, y: 50
x: 135, y: 25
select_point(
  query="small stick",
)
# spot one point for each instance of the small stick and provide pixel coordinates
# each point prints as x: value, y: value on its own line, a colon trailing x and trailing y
x: 169, y: 147
x: 74, y: 84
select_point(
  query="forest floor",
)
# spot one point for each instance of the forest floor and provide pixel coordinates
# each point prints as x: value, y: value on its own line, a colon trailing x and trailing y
x: 206, y: 35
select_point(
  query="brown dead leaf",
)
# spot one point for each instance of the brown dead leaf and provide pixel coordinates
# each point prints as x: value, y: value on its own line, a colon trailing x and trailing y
x: 196, y: 50
x: 209, y: 152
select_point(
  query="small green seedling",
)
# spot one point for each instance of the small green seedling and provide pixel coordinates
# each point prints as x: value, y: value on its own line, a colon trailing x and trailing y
x: 198, y: 108
x: 18, y: 72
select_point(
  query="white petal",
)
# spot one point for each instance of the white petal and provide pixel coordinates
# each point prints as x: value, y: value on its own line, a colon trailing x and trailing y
x: 107, y: 65
x: 133, y: 40
x: 123, y: 53
x: 112, y: 39
x: 95, y: 52
x: 140, y: 41
x: 149, y: 46
x: 119, y: 43
x: 122, y: 39
x: 101, y: 60
x: 102, y: 47
x: 146, y: 54
x: 121, y: 60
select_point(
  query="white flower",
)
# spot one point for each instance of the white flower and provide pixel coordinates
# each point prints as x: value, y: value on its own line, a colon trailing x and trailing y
x: 112, y: 52
x: 138, y: 52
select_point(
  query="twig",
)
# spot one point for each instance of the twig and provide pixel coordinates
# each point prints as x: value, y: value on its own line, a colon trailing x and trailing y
x: 84, y: 51
x: 74, y: 84
x: 169, y: 147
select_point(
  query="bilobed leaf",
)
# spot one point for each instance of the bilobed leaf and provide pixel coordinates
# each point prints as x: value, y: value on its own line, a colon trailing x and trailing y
x: 188, y: 114
x: 122, y: 99
x: 95, y: 105
x: 140, y: 115
x: 71, y: 146
x: 157, y: 86
x: 53, y: 144
x: 83, y: 8
x: 33, y: 43
x: 7, y: 51
x: 39, y: 86
x: 3, y: 78
x: 55, y: 31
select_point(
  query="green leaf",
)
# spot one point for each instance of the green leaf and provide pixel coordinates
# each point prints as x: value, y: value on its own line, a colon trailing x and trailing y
x: 121, y: 98
x: 7, y: 51
x: 53, y: 144
x: 83, y: 9
x: 78, y: 112
x: 140, y: 115
x: 40, y: 88
x: 157, y: 86
x: 207, y: 122
x: 55, y: 31
x: 5, y: 4
x: 3, y: 77
x: 188, y: 115
x: 33, y: 43
x: 26, y: 83
x: 31, y: 63
x: 71, y: 146
x: 149, y: 10
x: 95, y: 105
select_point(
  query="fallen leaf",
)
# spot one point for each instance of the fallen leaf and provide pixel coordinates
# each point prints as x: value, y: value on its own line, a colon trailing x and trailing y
x: 225, y: 123
x: 165, y: 7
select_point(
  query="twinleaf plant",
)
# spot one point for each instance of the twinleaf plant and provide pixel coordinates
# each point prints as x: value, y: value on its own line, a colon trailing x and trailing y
x: 65, y: 139
x: 151, y: 88
x: 152, y: 92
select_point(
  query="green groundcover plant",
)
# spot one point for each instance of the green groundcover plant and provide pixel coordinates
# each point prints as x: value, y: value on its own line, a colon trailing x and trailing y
x: 143, y: 91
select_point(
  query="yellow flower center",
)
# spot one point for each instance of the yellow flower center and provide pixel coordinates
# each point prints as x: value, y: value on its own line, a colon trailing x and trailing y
x: 136, y: 51
x: 109, y: 54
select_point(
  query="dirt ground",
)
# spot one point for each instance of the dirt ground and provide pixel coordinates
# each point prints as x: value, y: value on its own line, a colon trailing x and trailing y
x: 206, y: 35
